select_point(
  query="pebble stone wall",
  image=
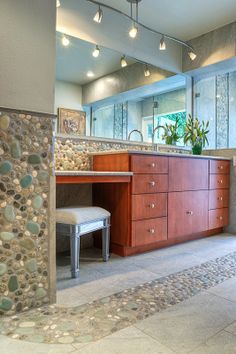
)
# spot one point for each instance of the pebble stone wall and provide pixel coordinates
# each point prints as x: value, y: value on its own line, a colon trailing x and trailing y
x: 26, y: 165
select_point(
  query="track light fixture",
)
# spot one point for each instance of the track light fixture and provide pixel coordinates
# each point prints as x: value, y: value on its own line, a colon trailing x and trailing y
x: 136, y: 24
x: 96, y: 51
x: 98, y: 15
x: 192, y: 55
x: 123, y: 62
x: 146, y: 71
x: 65, y: 41
x: 58, y: 3
x: 162, y: 45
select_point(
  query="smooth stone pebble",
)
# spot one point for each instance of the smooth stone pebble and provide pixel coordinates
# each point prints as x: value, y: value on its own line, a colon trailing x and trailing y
x: 3, y: 268
x: 34, y: 159
x: 43, y: 175
x: 6, y: 236
x: 5, y: 167
x: 15, y: 149
x: 40, y: 293
x: 66, y: 340
x: 9, y: 213
x: 13, y: 283
x: 27, y: 324
x: 31, y: 265
x: 37, y: 202
x: 27, y: 243
x: 4, y: 122
x: 6, y: 304
x: 26, y: 181
x: 33, y: 227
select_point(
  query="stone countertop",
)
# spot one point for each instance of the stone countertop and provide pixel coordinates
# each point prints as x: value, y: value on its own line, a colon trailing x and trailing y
x: 158, y: 153
x: 92, y: 173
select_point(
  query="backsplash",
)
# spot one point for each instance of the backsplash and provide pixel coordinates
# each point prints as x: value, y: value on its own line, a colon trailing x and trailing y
x: 25, y: 168
x: 72, y: 152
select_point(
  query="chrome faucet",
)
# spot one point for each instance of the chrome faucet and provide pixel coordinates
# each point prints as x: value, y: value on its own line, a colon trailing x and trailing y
x: 137, y: 131
x: 153, y: 134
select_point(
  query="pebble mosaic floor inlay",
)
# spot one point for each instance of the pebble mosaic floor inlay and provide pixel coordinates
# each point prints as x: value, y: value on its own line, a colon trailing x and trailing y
x: 100, y: 318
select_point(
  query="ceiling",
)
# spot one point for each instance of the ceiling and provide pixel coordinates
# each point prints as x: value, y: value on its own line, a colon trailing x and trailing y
x: 74, y: 61
x: 184, y: 19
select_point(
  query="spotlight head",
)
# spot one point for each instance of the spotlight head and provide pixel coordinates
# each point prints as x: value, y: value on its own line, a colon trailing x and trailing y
x: 162, y: 45
x: 133, y: 31
x: 90, y: 74
x: 146, y: 71
x: 192, y: 55
x: 98, y: 15
x: 123, y: 62
x: 65, y: 41
x: 96, y: 52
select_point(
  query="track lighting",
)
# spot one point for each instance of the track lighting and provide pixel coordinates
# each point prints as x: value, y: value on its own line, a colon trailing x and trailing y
x: 123, y: 62
x: 90, y: 74
x: 98, y: 15
x: 96, y: 52
x: 146, y: 71
x: 162, y: 45
x: 65, y: 41
x: 133, y: 31
x: 192, y: 55
x: 58, y: 3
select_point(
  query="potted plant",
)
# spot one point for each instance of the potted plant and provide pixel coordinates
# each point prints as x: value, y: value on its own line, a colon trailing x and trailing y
x: 196, y: 134
x: 171, y: 134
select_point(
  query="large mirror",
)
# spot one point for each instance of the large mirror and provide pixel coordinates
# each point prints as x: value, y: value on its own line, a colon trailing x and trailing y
x: 119, y: 95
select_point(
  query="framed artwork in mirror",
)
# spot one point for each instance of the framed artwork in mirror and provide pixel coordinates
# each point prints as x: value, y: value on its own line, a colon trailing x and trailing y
x: 72, y: 121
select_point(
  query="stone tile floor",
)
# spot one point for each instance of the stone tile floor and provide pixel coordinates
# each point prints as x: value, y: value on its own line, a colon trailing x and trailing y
x: 180, y: 299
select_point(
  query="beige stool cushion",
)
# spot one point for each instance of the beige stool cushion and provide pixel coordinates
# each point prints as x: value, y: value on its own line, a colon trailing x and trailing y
x: 80, y: 215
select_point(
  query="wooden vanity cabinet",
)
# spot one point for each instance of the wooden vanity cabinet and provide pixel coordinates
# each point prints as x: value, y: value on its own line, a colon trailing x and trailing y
x: 170, y: 199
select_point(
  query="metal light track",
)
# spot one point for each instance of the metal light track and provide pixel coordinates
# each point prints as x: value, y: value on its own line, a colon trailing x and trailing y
x: 98, y: 3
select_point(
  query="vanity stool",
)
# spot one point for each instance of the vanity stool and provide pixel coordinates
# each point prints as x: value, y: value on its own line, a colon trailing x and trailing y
x: 78, y: 221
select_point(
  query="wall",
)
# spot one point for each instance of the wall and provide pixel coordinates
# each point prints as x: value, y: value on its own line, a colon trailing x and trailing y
x: 122, y: 80
x: 27, y: 61
x: 214, y: 100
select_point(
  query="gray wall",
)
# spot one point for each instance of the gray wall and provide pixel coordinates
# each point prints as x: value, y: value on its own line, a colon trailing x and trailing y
x: 27, y: 60
x: 121, y: 81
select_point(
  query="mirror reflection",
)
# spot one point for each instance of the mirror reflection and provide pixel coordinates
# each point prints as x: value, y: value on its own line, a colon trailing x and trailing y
x: 122, y: 97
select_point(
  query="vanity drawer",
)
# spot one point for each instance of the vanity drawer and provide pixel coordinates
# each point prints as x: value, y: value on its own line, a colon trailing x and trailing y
x: 218, y: 198
x: 219, y: 181
x: 149, y: 183
x: 218, y: 218
x: 149, y: 164
x: 149, y: 231
x: 219, y: 166
x: 147, y: 206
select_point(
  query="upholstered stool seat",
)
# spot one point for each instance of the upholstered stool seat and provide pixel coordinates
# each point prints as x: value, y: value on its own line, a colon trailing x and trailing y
x: 77, y: 221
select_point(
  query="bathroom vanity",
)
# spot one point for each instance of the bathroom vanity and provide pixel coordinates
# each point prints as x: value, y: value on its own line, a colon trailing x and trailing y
x: 171, y: 198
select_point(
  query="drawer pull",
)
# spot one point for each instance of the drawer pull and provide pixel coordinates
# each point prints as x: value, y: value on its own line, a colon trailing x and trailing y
x: 220, y: 181
x: 152, y: 231
x: 152, y: 183
x: 152, y: 205
x: 220, y: 199
x: 220, y: 217
x: 220, y: 167
x: 189, y: 212
x: 153, y: 164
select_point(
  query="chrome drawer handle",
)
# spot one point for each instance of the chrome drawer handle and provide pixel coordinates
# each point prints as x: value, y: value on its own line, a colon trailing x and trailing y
x: 152, y: 183
x: 220, y: 181
x: 153, y: 164
x: 152, y: 231
x: 189, y: 212
x: 220, y: 217
x: 220, y: 198
x: 152, y: 205
x: 220, y: 167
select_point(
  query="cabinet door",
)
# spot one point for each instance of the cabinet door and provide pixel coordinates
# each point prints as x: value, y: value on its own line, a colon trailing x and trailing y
x: 187, y: 213
x: 186, y: 174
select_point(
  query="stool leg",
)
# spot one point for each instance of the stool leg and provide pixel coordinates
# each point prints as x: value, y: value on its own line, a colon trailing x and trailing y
x: 74, y: 254
x: 105, y: 243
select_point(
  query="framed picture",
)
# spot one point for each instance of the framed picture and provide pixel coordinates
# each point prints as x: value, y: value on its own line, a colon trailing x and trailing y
x: 72, y: 121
